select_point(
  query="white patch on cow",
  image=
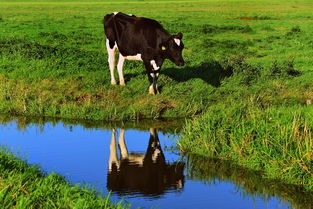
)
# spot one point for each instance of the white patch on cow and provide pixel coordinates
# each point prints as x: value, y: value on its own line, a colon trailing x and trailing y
x: 130, y: 14
x: 152, y: 75
x: 152, y: 132
x: 121, y: 60
x: 136, y: 57
x: 179, y: 184
x: 177, y: 41
x: 157, y: 74
x: 111, y: 60
x: 114, y: 13
x: 155, y: 155
x: 155, y: 67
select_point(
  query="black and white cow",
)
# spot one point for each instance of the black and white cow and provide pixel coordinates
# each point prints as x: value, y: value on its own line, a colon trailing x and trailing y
x: 139, y: 38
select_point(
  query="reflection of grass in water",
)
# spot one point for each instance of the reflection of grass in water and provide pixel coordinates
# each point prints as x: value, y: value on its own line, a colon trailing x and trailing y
x: 24, y: 186
x: 248, y: 182
x: 165, y: 126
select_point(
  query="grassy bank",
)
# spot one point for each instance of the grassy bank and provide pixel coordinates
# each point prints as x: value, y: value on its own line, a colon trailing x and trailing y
x: 276, y: 141
x: 24, y: 186
x: 248, y: 75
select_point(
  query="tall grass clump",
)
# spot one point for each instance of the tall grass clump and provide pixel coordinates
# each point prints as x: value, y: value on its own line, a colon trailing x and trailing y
x: 276, y: 140
x: 25, y: 186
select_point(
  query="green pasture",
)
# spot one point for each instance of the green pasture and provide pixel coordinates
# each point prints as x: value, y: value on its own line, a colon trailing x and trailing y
x: 53, y: 60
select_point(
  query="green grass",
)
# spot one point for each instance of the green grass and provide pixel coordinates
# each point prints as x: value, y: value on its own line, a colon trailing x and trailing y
x: 55, y: 63
x: 248, y: 75
x: 24, y: 186
x: 277, y: 141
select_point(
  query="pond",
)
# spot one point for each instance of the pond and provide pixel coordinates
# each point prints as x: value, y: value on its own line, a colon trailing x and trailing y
x: 139, y: 162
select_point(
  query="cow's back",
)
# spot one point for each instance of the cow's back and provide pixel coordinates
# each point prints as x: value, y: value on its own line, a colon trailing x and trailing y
x: 112, y: 25
x: 133, y: 34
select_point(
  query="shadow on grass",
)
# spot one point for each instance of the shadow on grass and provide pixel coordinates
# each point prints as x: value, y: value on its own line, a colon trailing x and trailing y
x: 211, y: 72
x: 129, y: 76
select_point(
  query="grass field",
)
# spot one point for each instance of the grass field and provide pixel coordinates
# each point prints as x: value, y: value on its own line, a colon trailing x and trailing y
x: 248, y: 75
x: 53, y: 60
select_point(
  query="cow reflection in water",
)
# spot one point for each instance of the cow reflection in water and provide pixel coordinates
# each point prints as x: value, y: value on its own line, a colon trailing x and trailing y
x: 148, y: 173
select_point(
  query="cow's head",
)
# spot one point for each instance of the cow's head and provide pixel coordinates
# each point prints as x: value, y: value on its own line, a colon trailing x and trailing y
x: 172, y: 49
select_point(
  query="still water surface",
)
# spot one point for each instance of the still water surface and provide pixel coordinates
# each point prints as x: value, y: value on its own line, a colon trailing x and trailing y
x: 142, y: 166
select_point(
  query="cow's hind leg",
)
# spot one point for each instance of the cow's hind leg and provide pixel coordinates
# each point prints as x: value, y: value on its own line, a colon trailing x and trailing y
x: 122, y: 145
x: 120, y: 64
x: 113, y: 152
x: 111, y: 59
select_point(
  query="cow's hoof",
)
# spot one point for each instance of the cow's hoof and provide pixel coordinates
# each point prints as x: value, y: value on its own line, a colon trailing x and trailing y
x: 122, y: 83
x: 113, y: 82
x: 151, y: 91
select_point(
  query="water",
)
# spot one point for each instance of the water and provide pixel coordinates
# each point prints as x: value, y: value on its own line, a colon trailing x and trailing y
x: 140, y: 164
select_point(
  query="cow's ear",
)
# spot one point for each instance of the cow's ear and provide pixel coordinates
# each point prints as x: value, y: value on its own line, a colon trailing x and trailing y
x: 179, y: 35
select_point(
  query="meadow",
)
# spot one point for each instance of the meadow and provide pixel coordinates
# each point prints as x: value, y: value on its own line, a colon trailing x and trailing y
x: 246, y: 88
x: 53, y: 59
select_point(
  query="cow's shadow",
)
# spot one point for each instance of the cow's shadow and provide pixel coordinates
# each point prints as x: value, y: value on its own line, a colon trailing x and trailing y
x: 129, y: 76
x: 211, y: 72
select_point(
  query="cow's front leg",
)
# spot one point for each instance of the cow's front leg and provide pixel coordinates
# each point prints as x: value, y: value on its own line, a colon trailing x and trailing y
x: 153, y: 73
x: 153, y: 89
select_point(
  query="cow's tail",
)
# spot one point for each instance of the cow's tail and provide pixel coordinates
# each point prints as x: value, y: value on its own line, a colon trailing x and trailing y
x: 110, y: 29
